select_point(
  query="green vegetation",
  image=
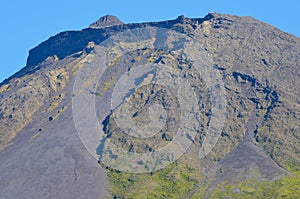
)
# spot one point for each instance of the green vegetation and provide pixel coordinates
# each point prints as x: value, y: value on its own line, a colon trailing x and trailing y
x: 175, y: 181
x: 180, y: 180
x: 294, y: 168
x: 288, y: 187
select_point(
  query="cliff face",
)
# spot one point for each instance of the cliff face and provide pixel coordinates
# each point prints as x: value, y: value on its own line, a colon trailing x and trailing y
x: 259, y: 68
x: 69, y: 42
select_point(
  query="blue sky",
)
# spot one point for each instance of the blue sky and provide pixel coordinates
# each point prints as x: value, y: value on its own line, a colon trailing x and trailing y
x: 25, y: 24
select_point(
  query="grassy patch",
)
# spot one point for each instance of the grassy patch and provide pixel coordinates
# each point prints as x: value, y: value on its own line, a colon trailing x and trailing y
x: 175, y: 181
x: 288, y: 187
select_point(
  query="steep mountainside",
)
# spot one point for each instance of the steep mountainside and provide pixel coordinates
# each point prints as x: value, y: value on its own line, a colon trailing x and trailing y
x: 257, y: 154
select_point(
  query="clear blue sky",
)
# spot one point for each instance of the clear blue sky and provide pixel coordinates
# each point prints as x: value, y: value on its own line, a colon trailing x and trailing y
x: 26, y: 23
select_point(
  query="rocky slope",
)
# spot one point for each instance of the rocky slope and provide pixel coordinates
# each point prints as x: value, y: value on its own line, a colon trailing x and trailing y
x: 259, y: 144
x: 106, y: 21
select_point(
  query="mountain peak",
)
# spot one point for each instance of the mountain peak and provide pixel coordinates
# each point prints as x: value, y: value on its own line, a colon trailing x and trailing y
x: 181, y: 19
x: 106, y: 21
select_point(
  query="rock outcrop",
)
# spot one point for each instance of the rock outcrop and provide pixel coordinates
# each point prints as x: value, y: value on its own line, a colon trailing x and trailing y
x: 106, y: 21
